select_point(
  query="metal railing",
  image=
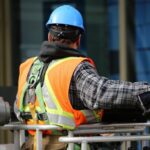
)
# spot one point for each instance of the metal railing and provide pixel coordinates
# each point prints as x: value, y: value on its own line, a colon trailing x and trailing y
x: 118, y: 133
x: 121, y: 133
x: 19, y: 133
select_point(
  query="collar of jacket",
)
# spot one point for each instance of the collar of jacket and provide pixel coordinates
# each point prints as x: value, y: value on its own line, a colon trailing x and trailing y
x: 50, y: 51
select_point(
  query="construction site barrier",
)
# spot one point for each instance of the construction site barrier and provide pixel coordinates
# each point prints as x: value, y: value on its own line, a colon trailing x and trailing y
x: 84, y: 134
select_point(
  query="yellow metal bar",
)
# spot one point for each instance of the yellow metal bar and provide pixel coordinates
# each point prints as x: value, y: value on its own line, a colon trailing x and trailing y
x: 5, y: 43
x: 123, y: 41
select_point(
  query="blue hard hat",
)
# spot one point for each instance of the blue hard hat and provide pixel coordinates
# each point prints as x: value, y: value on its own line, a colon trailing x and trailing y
x: 66, y: 15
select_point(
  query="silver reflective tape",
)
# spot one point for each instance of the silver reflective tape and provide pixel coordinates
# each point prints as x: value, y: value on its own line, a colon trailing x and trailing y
x: 61, y: 120
x: 47, y: 98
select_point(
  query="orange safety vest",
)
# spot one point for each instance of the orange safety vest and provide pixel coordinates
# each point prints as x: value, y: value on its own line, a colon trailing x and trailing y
x: 56, y: 100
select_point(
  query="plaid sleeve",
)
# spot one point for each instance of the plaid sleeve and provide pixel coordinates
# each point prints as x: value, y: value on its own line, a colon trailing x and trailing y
x: 95, y: 91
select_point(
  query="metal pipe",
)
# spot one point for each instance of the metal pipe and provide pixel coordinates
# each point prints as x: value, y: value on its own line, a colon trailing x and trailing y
x: 38, y: 139
x: 103, y: 139
x: 17, y: 139
x: 83, y: 145
x: 22, y: 137
x: 101, y: 125
x: 29, y: 127
x: 96, y: 131
x: 70, y: 145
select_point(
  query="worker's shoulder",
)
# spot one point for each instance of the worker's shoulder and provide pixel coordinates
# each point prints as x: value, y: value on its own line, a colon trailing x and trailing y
x: 27, y: 62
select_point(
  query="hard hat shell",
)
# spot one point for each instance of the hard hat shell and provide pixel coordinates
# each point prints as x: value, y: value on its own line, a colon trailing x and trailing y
x: 66, y: 15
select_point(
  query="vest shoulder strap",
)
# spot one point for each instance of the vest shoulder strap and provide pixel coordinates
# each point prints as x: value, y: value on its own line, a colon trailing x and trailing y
x: 35, y: 79
x: 36, y: 73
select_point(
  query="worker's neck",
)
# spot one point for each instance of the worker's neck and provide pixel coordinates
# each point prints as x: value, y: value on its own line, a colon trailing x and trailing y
x: 73, y: 45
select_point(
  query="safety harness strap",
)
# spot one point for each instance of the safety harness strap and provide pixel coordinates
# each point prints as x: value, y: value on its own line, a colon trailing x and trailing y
x: 27, y: 116
x: 32, y: 89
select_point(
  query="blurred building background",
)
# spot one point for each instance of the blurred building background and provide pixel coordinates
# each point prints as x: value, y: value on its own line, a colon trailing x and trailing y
x: 117, y: 35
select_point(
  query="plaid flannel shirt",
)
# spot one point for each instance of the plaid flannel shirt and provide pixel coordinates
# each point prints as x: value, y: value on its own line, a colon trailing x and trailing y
x: 89, y: 90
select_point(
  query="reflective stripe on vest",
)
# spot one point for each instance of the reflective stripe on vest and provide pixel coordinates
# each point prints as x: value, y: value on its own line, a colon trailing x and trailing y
x: 55, y: 112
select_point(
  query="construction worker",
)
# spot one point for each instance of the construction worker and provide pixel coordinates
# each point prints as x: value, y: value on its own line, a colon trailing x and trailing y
x: 60, y: 86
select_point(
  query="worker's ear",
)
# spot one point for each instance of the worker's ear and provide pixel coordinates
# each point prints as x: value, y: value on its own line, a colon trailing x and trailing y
x: 49, y: 37
x: 78, y: 41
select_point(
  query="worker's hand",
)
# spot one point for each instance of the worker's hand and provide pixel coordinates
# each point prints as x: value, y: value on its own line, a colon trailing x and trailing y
x: 144, y: 100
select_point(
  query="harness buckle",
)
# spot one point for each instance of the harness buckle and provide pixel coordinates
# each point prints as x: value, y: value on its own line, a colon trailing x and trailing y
x: 42, y: 116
